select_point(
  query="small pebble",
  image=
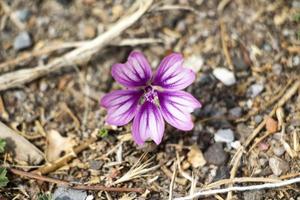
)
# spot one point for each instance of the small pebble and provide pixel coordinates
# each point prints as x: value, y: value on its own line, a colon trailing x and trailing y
x: 23, y: 14
x: 216, y: 155
x: 258, y: 119
x: 254, y: 195
x: 278, y: 151
x: 263, y: 161
x: 244, y: 131
x: 225, y: 76
x: 278, y: 166
x: 267, y: 47
x: 95, y: 164
x: 22, y: 41
x: 194, y: 62
x: 236, y: 112
x: 223, y: 172
x: 236, y: 144
x: 65, y: 2
x: 277, y: 69
x: 295, y: 122
x: 239, y: 63
x: 296, y: 4
x: 62, y: 193
x: 224, y: 135
x: 296, y: 61
x: 255, y: 89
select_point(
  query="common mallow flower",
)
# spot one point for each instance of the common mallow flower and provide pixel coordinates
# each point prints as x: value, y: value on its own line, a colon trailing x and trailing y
x: 149, y: 99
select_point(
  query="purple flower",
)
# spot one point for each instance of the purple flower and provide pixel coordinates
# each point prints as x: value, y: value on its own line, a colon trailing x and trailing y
x: 150, y: 99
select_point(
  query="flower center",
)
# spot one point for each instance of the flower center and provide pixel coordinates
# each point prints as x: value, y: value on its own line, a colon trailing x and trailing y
x: 150, y: 95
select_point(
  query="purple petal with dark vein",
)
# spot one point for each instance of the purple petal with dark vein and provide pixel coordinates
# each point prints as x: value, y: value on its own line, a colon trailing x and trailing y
x: 121, y: 106
x: 135, y: 72
x: 171, y: 75
x: 176, y: 107
x: 148, y: 123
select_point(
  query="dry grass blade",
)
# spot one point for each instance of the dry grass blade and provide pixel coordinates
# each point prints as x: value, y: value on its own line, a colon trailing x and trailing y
x: 77, y: 56
x: 137, y: 170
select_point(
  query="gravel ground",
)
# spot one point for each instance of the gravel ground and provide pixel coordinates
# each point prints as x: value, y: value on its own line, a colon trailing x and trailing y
x: 246, y: 56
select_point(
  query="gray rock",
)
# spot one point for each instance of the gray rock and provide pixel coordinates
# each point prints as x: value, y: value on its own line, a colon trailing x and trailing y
x: 23, y: 14
x: 239, y: 63
x: 224, y: 135
x: 223, y: 172
x: 95, y: 164
x: 258, y: 118
x: 22, y: 41
x: 62, y: 193
x: 243, y: 131
x: 278, y: 151
x: 236, y: 112
x: 216, y: 155
x: 296, y: 4
x: 278, y: 166
x: 225, y: 76
x: 255, y: 89
x: 254, y: 195
x: 267, y: 47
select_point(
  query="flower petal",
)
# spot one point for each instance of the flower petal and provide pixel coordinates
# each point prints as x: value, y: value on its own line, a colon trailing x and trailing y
x: 171, y: 75
x: 176, y: 107
x: 148, y: 123
x: 121, y: 106
x: 134, y: 73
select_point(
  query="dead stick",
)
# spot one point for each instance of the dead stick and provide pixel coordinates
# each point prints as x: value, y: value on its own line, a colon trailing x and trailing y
x: 65, y: 159
x: 12, y: 63
x: 74, y: 186
x: 224, y: 38
x: 77, y: 56
x: 239, y: 153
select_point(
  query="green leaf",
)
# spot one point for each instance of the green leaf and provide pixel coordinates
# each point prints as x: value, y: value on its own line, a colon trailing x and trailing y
x: 2, y: 145
x: 103, y: 132
x: 297, y: 17
x: 44, y: 196
x: 3, y: 178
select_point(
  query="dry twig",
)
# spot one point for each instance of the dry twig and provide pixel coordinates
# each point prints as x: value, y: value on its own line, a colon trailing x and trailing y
x: 77, y: 56
x: 67, y: 158
x: 74, y: 186
x: 11, y: 64
x: 172, y: 184
x: 224, y: 38
x: 238, y: 155
x: 241, y: 188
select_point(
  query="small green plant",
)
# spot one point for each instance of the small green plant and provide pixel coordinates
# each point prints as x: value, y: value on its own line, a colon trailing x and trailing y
x: 44, y: 196
x: 297, y: 17
x: 3, y: 178
x: 103, y: 132
x: 2, y: 145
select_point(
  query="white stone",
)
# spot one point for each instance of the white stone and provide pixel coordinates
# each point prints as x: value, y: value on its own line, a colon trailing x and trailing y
x: 256, y: 89
x: 236, y: 144
x: 278, y: 166
x: 225, y: 76
x: 224, y: 135
x: 194, y: 62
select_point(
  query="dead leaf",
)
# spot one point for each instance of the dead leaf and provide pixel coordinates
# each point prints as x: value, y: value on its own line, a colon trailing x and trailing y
x: 195, y: 157
x: 271, y: 125
x: 57, y: 145
x: 19, y: 147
